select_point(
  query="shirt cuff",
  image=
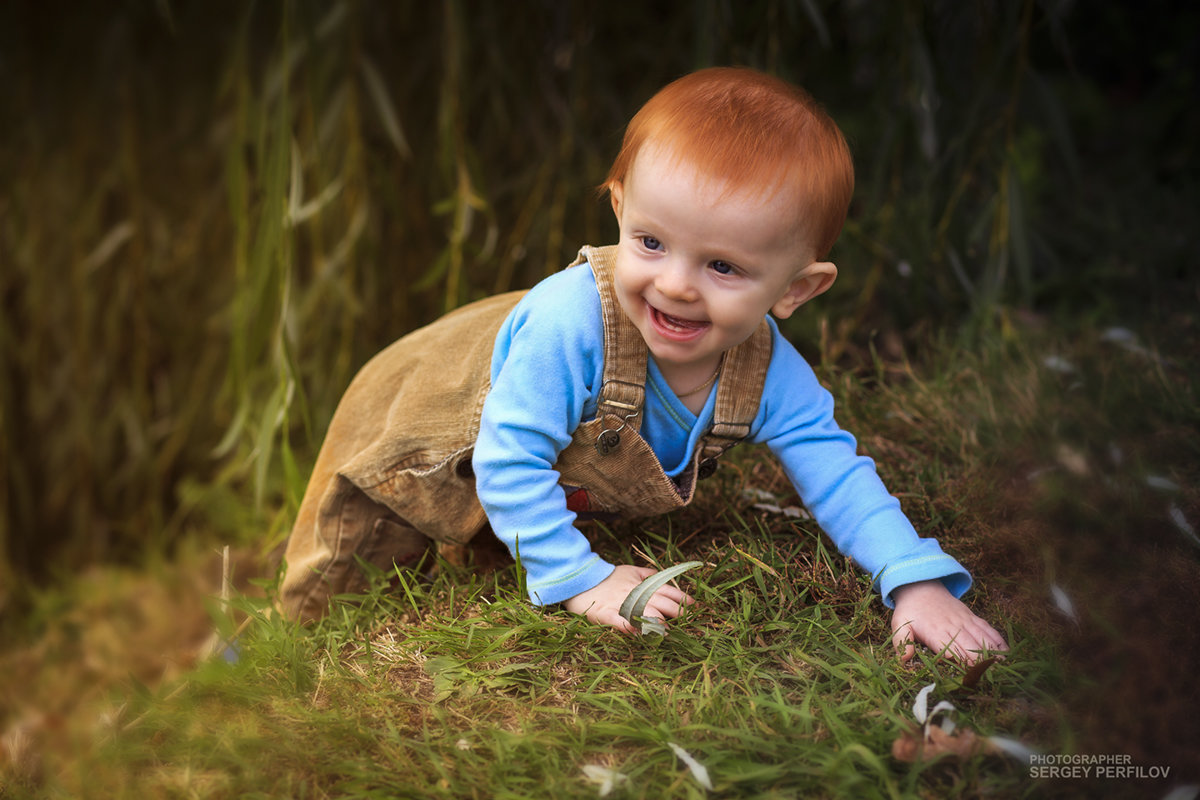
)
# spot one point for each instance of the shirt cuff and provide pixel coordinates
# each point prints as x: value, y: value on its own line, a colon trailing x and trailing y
x: 922, y: 568
x: 556, y: 590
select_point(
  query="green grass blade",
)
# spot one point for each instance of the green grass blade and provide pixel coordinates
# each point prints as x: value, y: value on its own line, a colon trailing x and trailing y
x: 635, y: 602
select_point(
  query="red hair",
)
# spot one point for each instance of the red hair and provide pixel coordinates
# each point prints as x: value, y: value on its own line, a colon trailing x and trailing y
x: 753, y: 132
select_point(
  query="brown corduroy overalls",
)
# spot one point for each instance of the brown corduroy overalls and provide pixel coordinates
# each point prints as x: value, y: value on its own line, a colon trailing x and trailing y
x: 395, y: 469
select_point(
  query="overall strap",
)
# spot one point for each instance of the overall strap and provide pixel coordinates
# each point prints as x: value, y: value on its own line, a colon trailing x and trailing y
x: 623, y: 391
x: 738, y: 394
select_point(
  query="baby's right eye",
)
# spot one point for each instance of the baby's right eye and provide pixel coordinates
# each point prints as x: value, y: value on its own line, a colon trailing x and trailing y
x: 650, y: 243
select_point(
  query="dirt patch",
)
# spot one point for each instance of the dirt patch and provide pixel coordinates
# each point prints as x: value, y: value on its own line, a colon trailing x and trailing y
x: 1102, y: 574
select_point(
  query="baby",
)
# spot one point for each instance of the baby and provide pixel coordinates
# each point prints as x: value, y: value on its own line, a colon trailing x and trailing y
x: 612, y: 387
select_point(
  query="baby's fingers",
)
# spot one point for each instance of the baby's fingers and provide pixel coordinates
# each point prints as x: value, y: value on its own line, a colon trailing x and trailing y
x: 666, y: 607
x: 610, y: 617
x: 902, y: 641
x: 983, y: 639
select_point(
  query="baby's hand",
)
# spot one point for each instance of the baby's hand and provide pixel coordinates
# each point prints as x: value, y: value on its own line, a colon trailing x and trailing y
x: 602, y: 603
x: 926, y: 612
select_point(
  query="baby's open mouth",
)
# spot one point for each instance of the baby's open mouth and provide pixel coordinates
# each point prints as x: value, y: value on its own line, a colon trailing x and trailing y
x: 677, y: 327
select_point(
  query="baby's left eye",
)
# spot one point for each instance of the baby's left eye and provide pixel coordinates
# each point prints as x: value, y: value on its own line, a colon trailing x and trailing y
x: 722, y: 267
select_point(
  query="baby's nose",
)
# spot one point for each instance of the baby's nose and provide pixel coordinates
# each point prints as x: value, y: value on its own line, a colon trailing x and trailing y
x: 674, y: 281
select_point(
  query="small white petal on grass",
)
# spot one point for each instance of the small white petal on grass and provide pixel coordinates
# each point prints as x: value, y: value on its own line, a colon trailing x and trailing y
x: 1181, y: 522
x: 1058, y: 364
x: 945, y: 708
x: 921, y: 704
x: 1118, y: 335
x: 752, y: 493
x: 1063, y: 603
x: 1161, y: 483
x: 1013, y: 748
x: 1127, y: 340
x: 606, y: 779
x: 699, y: 771
x: 794, y: 512
x: 463, y: 744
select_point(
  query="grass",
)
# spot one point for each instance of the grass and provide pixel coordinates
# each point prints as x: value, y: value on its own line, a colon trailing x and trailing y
x: 780, y: 681
x: 488, y: 697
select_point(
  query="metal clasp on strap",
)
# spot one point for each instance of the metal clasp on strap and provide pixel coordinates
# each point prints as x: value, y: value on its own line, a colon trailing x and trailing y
x: 711, y: 451
x: 609, y: 438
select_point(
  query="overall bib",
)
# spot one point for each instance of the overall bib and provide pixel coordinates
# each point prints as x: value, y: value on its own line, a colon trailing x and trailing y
x: 394, y: 471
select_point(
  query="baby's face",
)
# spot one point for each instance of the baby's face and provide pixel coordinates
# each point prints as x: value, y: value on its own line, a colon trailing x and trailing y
x: 699, y: 267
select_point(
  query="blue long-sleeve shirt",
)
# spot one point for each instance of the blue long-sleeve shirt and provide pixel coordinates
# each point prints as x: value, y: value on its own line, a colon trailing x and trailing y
x: 546, y: 375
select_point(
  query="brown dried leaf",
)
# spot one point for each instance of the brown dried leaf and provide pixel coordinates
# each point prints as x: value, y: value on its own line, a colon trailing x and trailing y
x: 971, y: 678
x: 914, y: 745
x: 907, y: 747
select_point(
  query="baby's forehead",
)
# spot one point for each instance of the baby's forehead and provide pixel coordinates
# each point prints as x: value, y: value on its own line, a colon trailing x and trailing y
x: 765, y: 185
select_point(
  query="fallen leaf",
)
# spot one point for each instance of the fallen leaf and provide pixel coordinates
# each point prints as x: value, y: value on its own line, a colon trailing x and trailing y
x: 916, y: 745
x: 907, y: 747
x: 962, y: 743
x: 928, y: 741
x: 972, y: 676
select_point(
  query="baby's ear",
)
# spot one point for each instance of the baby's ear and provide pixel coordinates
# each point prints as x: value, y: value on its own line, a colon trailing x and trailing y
x: 616, y: 193
x: 813, y: 280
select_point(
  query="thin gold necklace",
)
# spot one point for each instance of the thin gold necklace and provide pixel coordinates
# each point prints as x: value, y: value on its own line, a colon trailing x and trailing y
x: 711, y: 379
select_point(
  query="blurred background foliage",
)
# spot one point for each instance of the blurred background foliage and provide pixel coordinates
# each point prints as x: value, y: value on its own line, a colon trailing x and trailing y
x: 214, y: 212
